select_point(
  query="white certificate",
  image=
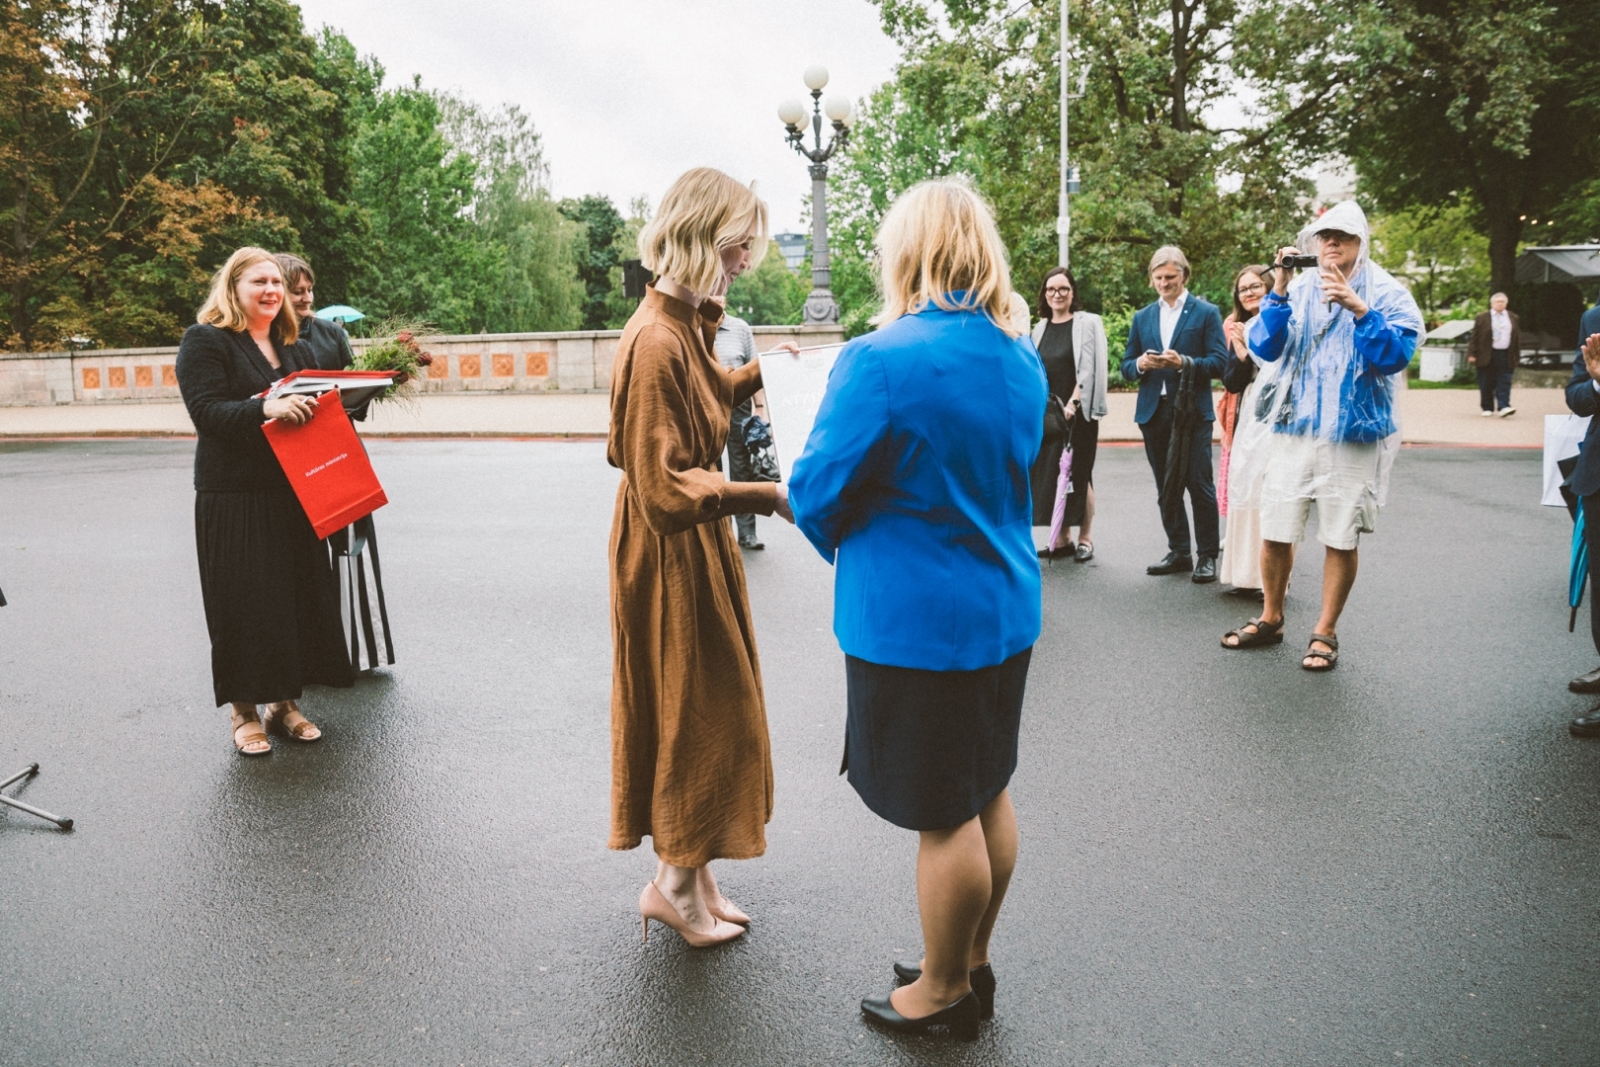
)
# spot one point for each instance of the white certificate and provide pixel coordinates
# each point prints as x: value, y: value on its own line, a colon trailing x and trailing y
x: 794, y: 386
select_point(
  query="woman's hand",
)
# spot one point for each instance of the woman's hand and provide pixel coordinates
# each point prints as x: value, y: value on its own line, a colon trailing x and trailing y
x: 789, y: 347
x: 293, y: 409
x: 1591, y: 355
x: 1237, y: 334
x: 781, y: 509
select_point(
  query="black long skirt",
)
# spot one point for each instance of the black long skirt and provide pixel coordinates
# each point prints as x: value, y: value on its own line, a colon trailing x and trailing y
x: 271, y: 598
x: 928, y: 750
x: 1046, y: 471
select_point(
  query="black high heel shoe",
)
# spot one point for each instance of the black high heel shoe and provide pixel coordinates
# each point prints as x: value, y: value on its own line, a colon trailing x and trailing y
x: 961, y: 1017
x: 981, y: 977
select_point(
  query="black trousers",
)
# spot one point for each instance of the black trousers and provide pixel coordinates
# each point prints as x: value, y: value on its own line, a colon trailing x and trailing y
x: 1494, y: 382
x: 741, y: 469
x: 1202, y: 490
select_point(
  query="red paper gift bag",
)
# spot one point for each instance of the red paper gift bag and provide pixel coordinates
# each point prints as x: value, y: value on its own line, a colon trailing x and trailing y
x: 327, y: 467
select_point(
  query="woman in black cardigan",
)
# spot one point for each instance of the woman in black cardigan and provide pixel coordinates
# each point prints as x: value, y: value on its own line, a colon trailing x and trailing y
x: 326, y: 343
x: 271, y: 600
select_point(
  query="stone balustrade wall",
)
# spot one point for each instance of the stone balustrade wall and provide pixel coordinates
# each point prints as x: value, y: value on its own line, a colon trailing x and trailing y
x: 575, y: 362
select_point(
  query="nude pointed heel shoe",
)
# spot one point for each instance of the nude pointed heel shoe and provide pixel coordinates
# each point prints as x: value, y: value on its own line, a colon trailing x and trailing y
x: 652, y: 905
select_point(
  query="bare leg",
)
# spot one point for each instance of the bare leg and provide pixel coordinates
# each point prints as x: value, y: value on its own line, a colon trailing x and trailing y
x: 1277, y: 560
x: 954, y: 884
x: 681, y: 887
x: 1088, y: 516
x: 1339, y: 567
x: 712, y: 895
x: 999, y: 822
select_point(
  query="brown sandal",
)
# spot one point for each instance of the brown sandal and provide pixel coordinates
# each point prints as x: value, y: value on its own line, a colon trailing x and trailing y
x: 1265, y: 633
x: 247, y: 735
x: 285, y: 718
x: 1330, y: 658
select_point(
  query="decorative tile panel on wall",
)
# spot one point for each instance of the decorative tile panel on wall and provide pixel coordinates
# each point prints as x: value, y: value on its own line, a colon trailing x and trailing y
x: 470, y: 366
x: 91, y: 377
x: 538, y: 365
x: 504, y: 364
x: 117, y: 378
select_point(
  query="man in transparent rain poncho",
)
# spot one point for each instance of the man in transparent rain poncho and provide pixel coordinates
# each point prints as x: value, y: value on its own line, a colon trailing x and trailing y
x: 1324, y: 427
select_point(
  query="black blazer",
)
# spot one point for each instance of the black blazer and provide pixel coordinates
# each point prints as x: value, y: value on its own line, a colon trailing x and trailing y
x: 219, y: 372
x: 1198, y: 335
x: 1584, y: 400
x: 323, y: 345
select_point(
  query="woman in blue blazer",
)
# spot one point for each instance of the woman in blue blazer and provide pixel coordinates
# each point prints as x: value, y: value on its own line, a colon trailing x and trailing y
x: 914, y: 484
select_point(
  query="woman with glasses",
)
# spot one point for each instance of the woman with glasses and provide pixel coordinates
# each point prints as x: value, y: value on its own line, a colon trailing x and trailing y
x: 1072, y: 345
x: 1241, y: 560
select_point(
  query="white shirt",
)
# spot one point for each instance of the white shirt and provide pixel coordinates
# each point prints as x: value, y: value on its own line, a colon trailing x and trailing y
x: 1500, y: 329
x: 1169, y: 322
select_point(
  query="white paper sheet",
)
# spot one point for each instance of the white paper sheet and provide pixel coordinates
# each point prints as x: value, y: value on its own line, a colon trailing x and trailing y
x: 1562, y: 435
x: 794, y: 386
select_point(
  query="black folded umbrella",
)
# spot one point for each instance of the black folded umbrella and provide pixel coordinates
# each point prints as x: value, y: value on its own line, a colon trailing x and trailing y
x: 1185, y: 416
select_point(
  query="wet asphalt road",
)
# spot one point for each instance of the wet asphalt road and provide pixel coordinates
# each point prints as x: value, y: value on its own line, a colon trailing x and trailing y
x: 1225, y: 860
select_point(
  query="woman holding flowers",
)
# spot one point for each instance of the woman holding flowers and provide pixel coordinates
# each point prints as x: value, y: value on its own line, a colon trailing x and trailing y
x: 691, y: 763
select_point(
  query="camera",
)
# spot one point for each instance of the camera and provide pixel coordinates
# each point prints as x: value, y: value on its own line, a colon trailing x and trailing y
x: 1296, y: 262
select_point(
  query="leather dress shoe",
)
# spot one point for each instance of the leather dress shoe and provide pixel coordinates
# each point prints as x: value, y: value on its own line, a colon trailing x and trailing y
x: 1586, y: 683
x: 961, y: 1017
x: 981, y: 977
x: 1586, y: 725
x: 1205, y: 570
x: 1172, y: 563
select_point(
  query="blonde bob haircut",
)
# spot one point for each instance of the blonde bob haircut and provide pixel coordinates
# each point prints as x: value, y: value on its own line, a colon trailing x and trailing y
x: 704, y: 212
x: 222, y: 306
x: 940, y: 238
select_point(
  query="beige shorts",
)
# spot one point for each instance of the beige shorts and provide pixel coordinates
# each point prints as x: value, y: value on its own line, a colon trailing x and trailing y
x: 1339, y: 477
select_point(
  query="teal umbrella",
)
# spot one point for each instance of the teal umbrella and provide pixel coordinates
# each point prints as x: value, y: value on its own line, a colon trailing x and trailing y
x: 1580, y: 567
x: 340, y: 312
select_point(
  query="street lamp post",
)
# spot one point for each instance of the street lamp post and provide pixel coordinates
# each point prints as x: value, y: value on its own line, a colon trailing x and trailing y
x: 820, y: 308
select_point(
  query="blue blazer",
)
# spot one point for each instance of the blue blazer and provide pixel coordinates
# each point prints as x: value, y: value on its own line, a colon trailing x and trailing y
x: 1198, y: 335
x: 914, y: 483
x: 1584, y: 400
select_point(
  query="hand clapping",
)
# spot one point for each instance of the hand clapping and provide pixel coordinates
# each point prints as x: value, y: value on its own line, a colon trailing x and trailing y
x: 1591, y: 355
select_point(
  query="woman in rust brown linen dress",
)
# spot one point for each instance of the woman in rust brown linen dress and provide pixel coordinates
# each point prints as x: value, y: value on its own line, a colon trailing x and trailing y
x: 691, y: 763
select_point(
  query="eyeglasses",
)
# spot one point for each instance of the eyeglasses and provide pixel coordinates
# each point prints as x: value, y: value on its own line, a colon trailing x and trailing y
x: 1057, y: 290
x: 1246, y: 290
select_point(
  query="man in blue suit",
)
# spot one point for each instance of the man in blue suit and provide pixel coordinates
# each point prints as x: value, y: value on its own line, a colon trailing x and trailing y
x: 1178, y: 328
x: 1583, y: 397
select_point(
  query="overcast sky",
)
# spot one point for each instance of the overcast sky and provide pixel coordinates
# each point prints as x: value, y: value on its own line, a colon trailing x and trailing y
x: 628, y: 94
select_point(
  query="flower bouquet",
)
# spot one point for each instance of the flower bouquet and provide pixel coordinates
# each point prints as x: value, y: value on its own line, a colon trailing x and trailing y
x: 394, y: 348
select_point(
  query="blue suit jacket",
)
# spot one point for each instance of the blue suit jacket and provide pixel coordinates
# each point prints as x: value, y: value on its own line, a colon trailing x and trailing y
x: 914, y: 483
x: 1198, y: 335
x: 1584, y: 400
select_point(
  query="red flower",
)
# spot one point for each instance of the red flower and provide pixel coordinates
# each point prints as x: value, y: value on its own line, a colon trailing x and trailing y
x: 404, y: 337
x: 424, y: 359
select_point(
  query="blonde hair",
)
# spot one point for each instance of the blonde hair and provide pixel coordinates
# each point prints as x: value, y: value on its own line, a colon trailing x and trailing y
x: 222, y: 303
x: 704, y: 212
x: 937, y: 239
x: 1169, y: 254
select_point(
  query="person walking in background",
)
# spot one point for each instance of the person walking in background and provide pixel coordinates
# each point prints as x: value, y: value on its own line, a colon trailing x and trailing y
x: 1583, y: 398
x: 1494, y: 350
x: 691, y: 764
x: 1331, y: 342
x: 1176, y: 339
x: 271, y: 597
x: 914, y: 484
x: 1241, y: 562
x: 736, y: 347
x: 1072, y: 345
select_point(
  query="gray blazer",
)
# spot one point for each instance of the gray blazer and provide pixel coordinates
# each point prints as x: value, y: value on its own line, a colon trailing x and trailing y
x: 1089, y: 343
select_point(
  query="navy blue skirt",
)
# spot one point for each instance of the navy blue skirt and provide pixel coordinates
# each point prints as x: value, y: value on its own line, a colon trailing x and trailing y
x: 928, y: 750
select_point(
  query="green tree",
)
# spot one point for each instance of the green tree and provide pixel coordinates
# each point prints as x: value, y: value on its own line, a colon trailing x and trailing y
x: 598, y: 255
x: 426, y: 260
x: 536, y: 287
x: 1439, y: 253
x: 770, y: 295
x: 976, y: 92
x: 1491, y: 102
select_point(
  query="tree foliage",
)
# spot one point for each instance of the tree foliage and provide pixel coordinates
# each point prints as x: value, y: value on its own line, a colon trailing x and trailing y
x: 976, y: 93
x: 1492, y: 103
